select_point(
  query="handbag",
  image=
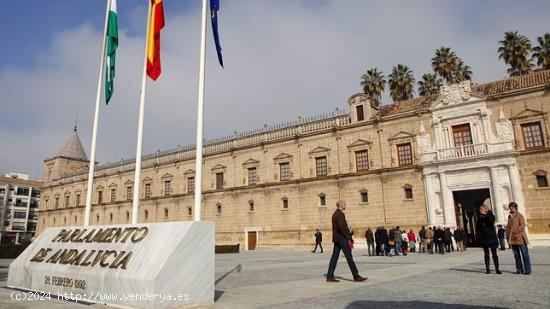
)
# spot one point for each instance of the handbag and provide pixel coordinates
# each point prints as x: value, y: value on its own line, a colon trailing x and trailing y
x: 350, y: 245
x: 391, y: 243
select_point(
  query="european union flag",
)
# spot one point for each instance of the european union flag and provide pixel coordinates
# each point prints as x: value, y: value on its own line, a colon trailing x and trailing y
x: 214, y: 8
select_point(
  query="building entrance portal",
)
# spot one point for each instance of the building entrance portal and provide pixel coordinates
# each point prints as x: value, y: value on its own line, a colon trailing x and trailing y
x: 467, y: 204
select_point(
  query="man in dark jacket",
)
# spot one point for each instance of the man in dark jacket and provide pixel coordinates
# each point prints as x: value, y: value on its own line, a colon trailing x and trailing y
x: 439, y: 235
x: 447, y: 239
x: 369, y: 236
x: 318, y: 240
x: 501, y: 235
x: 341, y: 238
x: 459, y: 238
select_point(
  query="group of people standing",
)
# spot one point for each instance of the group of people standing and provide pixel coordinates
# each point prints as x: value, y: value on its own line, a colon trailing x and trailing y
x: 396, y: 242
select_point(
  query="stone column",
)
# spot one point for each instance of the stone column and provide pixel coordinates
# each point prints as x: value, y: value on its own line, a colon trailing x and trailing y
x: 430, y: 200
x: 448, y: 205
x: 495, y: 188
x: 515, y: 183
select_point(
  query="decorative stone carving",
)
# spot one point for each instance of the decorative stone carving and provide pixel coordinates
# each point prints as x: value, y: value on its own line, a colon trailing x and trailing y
x: 423, y: 139
x: 503, y: 127
x: 455, y: 93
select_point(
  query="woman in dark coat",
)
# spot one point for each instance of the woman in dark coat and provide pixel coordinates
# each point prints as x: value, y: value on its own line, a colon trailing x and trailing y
x: 487, y: 236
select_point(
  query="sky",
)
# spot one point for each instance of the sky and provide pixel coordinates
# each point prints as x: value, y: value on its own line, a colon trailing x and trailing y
x: 283, y: 59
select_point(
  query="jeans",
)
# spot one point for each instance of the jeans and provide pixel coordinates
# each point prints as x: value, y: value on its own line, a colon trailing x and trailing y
x: 398, y: 248
x: 370, y: 246
x: 522, y: 252
x: 334, y: 259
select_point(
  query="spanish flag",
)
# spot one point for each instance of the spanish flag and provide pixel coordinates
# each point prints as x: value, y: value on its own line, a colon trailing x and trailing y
x: 156, y: 23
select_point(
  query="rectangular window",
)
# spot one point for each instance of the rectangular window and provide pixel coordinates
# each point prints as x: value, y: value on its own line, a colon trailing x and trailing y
x: 284, y: 171
x: 147, y: 190
x: 542, y: 181
x: 100, y: 197
x: 362, y: 160
x: 251, y: 206
x: 167, y: 187
x: 189, y: 211
x: 532, y: 135
x: 462, y: 135
x: 190, y: 184
x: 285, y: 203
x: 113, y: 195
x: 67, y: 200
x: 219, y: 181
x: 218, y: 208
x: 22, y: 191
x: 408, y: 193
x: 252, y: 176
x: 321, y: 166
x: 20, y: 215
x: 360, y: 115
x: 129, y: 193
x: 404, y: 154
x: 77, y: 200
x: 364, y: 197
x: 322, y: 200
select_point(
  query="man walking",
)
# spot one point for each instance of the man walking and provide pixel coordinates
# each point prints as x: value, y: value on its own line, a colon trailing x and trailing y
x: 341, y: 238
x: 439, y: 235
x: 501, y: 235
x: 370, y: 241
x: 398, y: 238
x: 318, y: 240
x: 515, y: 230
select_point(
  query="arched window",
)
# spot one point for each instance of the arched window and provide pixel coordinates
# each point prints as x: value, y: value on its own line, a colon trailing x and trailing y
x: 219, y: 208
x: 322, y: 199
x: 251, y: 206
x: 165, y: 212
x: 110, y: 217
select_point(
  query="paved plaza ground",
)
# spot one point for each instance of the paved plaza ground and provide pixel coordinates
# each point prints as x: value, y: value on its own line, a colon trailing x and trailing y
x: 295, y: 279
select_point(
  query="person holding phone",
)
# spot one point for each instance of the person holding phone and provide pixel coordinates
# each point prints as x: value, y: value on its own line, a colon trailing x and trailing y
x: 487, y: 237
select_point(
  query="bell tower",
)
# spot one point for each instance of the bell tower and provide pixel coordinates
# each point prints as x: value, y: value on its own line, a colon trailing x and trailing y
x: 70, y: 158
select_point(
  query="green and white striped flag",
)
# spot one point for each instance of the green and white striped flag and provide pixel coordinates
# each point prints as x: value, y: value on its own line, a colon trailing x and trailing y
x: 112, y: 44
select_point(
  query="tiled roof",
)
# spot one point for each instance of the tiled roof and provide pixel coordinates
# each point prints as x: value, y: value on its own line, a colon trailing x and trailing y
x: 73, y: 148
x: 536, y: 78
x: 404, y: 106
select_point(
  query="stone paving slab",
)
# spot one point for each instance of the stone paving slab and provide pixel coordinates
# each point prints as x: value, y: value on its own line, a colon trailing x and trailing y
x: 295, y: 279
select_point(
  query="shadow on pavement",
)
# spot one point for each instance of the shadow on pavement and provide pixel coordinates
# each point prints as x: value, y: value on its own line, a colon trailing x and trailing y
x: 407, y: 304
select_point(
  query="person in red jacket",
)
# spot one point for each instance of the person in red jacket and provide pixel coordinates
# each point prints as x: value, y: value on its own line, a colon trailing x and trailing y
x: 412, y: 241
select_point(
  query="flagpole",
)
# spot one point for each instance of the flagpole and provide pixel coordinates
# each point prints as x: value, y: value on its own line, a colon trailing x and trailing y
x: 91, y: 170
x: 200, y: 118
x: 137, y: 175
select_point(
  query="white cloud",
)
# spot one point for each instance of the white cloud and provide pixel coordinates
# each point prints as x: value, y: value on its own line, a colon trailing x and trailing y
x: 283, y: 59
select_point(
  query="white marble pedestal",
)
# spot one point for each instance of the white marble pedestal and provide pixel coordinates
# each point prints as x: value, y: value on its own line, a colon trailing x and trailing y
x: 157, y: 265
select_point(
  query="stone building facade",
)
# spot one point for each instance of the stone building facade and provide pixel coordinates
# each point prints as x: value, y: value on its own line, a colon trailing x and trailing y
x: 426, y: 161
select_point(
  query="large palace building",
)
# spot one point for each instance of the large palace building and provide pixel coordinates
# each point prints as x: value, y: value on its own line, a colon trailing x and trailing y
x: 425, y: 161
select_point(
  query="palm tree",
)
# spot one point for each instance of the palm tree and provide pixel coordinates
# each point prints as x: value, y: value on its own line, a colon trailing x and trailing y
x: 429, y: 85
x: 463, y: 71
x: 401, y: 83
x: 515, y: 50
x: 542, y: 52
x: 444, y: 63
x: 373, y: 83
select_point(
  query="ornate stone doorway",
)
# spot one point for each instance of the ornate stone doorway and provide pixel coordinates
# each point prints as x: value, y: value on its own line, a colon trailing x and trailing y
x: 467, y: 203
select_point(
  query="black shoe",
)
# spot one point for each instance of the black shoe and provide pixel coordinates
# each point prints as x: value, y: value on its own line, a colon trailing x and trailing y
x: 518, y: 273
x: 321, y: 251
x: 332, y: 279
x: 527, y: 273
x: 487, y: 271
x: 499, y: 272
x: 358, y: 278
